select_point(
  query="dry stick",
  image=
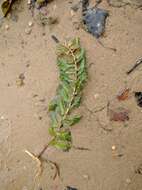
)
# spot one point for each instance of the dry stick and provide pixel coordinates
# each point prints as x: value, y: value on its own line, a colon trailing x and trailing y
x: 56, y: 40
x: 43, y: 150
x: 135, y: 66
x: 106, y: 47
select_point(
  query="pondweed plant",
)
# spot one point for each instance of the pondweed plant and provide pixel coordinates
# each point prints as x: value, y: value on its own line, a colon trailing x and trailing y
x: 71, y: 62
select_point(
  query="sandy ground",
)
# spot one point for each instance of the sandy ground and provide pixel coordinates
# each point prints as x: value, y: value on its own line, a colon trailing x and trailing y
x: 24, y: 120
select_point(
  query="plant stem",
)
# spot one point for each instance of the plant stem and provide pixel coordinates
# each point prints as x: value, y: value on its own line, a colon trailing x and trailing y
x: 74, y: 89
x: 45, y: 148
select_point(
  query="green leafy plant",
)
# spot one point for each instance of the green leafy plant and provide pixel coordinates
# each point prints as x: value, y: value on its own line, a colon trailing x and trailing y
x: 71, y: 62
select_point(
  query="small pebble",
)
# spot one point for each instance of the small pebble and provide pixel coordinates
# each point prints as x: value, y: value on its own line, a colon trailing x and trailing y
x: 128, y: 180
x: 2, y: 117
x: 113, y: 147
x: 29, y: 2
x: 24, y: 167
x: 72, y: 13
x: 30, y: 23
x: 96, y: 96
x: 28, y: 30
x: 85, y: 176
x: 7, y: 27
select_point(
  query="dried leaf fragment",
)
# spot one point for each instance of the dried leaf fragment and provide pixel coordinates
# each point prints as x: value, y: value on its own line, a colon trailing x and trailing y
x: 119, y: 114
x: 6, y: 5
x: 123, y: 95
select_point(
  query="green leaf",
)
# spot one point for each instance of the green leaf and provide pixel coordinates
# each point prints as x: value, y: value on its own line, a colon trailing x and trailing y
x: 64, y: 95
x: 80, y: 55
x: 52, y: 105
x: 73, y: 120
x: 54, y: 120
x: 64, y: 136
x: 76, y: 102
x: 52, y: 131
x: 61, y: 106
x: 63, y: 145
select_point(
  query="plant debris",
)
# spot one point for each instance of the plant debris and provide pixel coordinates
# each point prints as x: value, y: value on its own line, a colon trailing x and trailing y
x: 56, y: 40
x: 43, y: 19
x: 20, y: 80
x: 6, y: 6
x: 71, y: 61
x: 124, y: 95
x: 139, y: 170
x: 135, y: 66
x: 70, y: 188
x: 119, y: 114
x: 138, y: 96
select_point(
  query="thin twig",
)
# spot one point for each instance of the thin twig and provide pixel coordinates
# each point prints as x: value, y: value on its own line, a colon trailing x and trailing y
x: 135, y: 66
x: 106, y: 47
x: 55, y: 39
x: 80, y: 148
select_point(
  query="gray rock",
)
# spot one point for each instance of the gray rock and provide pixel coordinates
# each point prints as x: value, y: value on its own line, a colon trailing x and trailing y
x: 94, y: 19
x: 120, y: 3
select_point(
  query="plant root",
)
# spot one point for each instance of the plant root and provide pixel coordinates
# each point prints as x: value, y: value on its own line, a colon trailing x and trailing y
x: 40, y: 161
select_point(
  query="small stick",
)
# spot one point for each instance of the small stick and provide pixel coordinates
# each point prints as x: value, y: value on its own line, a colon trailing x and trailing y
x: 55, y: 39
x: 80, y: 148
x: 106, y: 47
x: 43, y: 150
x: 135, y: 66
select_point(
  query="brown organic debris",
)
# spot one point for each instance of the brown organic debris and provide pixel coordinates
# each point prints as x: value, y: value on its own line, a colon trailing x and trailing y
x: 119, y: 114
x: 124, y: 95
x: 20, y: 80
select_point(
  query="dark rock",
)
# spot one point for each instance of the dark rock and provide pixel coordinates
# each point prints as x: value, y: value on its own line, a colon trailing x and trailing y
x: 94, y: 19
